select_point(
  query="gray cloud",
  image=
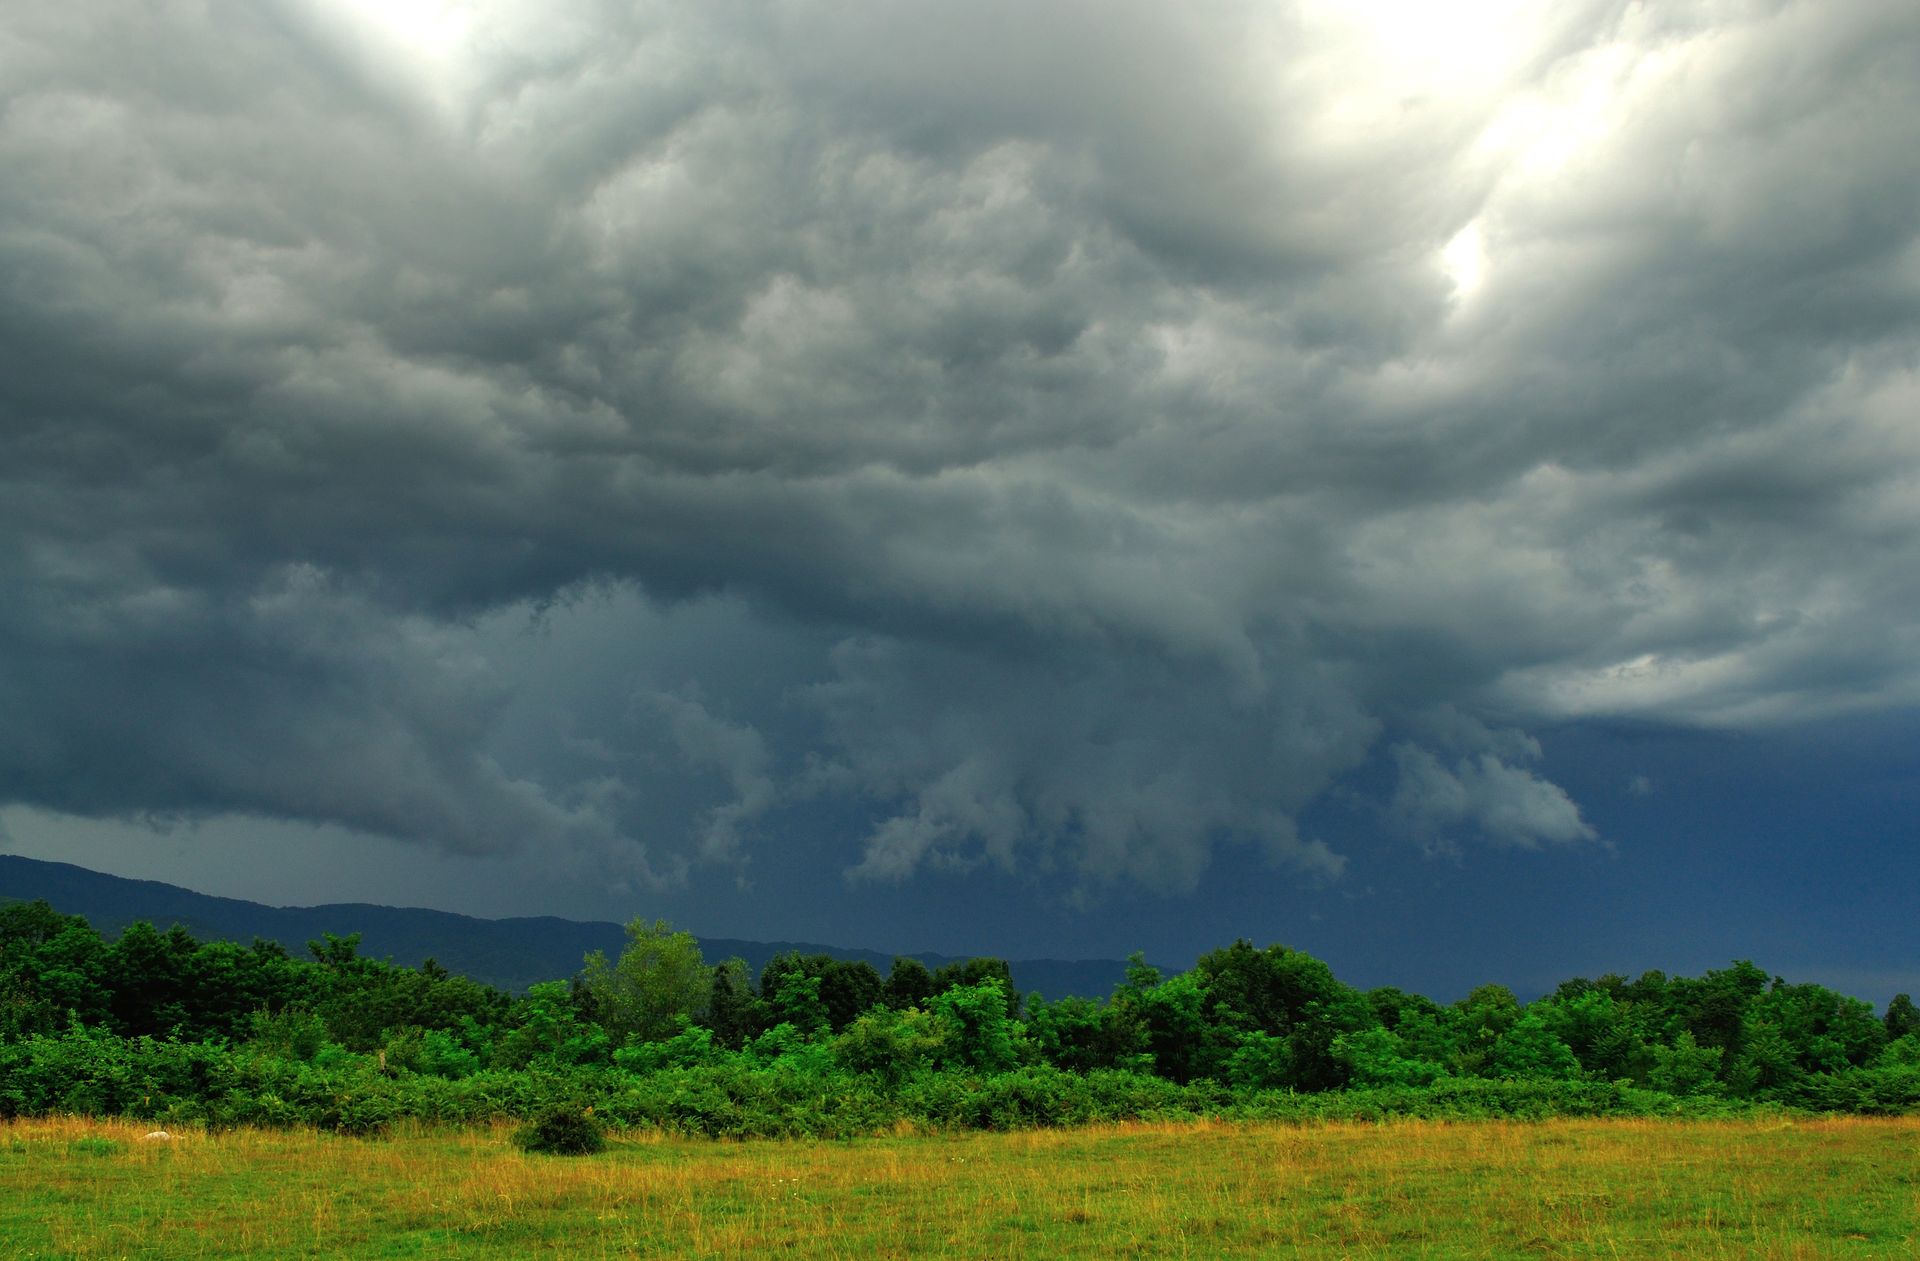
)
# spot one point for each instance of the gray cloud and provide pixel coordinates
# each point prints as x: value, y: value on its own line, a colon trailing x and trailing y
x: 1508, y: 805
x: 1117, y: 423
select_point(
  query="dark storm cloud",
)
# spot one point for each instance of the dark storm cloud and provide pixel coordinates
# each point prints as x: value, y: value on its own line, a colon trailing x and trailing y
x: 1163, y: 409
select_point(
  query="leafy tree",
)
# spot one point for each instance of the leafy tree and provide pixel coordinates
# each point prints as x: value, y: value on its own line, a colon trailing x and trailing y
x: 1902, y: 1017
x: 984, y: 1036
x: 1714, y: 1007
x: 1377, y: 1056
x: 337, y: 953
x: 659, y: 982
x: 733, y: 1012
x: 1685, y: 1068
x: 52, y: 966
x: 1172, y: 1019
x: 796, y: 1002
x: 1259, y: 1061
x: 846, y: 988
x: 1768, y: 1066
x: 974, y: 971
x: 292, y: 1034
x: 1418, y: 1024
x: 849, y: 987
x: 150, y: 979
x: 26, y: 925
x: 547, y: 1028
x: 1141, y: 976
x: 1530, y: 1050
x: 1600, y: 1031
x: 891, y: 1044
x: 1393, y: 1007
x: 1476, y: 1023
x: 1285, y: 994
x: 909, y: 984
x: 1081, y: 1035
x: 690, y: 1047
x: 1829, y: 1032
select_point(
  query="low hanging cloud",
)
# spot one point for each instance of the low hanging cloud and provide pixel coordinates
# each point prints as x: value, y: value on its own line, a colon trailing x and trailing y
x: 1133, y: 419
x: 1508, y: 805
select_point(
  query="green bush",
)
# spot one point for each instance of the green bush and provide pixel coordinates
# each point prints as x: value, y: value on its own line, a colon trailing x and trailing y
x: 562, y: 1130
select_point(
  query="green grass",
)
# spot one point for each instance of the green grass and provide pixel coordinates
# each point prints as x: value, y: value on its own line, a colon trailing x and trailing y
x: 1761, y: 1189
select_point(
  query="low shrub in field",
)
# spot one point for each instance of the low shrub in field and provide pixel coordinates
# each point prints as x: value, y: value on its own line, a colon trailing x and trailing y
x: 563, y: 1130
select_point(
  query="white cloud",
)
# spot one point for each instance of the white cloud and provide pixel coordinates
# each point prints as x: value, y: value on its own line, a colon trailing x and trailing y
x: 1506, y: 805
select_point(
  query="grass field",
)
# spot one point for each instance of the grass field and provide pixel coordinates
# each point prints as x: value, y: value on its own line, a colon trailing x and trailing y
x: 1773, y: 1189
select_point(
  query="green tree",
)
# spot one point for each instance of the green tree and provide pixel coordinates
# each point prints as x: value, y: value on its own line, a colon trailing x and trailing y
x: 1714, y: 1008
x: 796, y: 1002
x: 1376, y: 1056
x: 659, y: 983
x: 846, y: 988
x: 849, y: 987
x: 983, y: 1036
x: 50, y: 965
x: 1081, y: 1035
x: 1476, y: 1023
x: 890, y: 1044
x: 1902, y: 1018
x: 1685, y: 1068
x: 547, y: 1029
x: 1600, y: 1030
x: 974, y: 971
x: 149, y: 970
x: 733, y: 1013
x: 1530, y: 1049
x: 1768, y: 1066
x: 909, y: 984
x: 1287, y: 994
x: 1172, y: 1019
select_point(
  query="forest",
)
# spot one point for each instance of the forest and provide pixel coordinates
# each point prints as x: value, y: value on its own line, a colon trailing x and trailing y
x: 157, y: 1025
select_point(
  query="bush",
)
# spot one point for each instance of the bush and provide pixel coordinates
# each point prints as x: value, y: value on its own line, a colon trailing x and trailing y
x: 562, y: 1130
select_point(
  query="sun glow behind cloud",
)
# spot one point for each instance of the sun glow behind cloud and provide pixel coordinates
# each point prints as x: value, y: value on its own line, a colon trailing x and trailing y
x: 428, y: 43
x: 1394, y: 60
x: 1465, y: 261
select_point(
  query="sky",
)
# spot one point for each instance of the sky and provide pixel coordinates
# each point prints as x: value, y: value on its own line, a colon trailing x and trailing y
x: 1433, y: 485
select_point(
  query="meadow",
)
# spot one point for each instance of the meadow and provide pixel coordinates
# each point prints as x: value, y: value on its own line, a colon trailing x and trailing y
x: 1776, y: 1187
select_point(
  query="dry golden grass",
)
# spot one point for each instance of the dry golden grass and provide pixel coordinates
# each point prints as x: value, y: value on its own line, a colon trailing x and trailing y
x: 1771, y: 1189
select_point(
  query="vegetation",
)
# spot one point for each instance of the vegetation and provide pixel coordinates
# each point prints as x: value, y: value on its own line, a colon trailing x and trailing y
x: 162, y: 1027
x: 1765, y: 1188
x: 562, y: 1130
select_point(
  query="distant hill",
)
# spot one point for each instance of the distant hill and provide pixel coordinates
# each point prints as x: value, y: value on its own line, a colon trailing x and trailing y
x: 509, y: 953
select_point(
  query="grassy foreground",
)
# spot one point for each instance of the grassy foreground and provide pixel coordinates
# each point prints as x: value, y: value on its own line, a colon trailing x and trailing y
x: 1771, y: 1188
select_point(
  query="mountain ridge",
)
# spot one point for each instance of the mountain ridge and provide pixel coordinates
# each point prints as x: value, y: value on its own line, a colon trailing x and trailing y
x: 511, y: 953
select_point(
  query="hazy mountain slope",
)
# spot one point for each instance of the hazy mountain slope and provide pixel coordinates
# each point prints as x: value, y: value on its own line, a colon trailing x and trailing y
x: 510, y: 953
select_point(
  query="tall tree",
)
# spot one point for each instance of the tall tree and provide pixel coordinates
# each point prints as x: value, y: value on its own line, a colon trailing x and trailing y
x: 1902, y: 1017
x: 659, y: 981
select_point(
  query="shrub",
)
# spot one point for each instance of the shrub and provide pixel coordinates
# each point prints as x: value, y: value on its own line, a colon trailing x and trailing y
x: 561, y: 1130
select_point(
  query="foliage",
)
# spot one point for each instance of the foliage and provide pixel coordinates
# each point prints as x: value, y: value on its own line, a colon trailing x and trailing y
x: 981, y: 1035
x: 1686, y: 1067
x: 562, y: 1130
x: 659, y: 981
x: 157, y: 1026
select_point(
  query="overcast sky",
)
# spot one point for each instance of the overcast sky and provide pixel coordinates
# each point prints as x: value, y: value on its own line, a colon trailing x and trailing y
x: 1438, y: 485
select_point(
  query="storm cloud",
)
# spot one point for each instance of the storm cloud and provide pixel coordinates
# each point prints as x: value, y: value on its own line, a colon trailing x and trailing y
x: 1067, y: 438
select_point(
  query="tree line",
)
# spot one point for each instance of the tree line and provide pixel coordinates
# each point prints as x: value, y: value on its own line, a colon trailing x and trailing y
x: 160, y: 1024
